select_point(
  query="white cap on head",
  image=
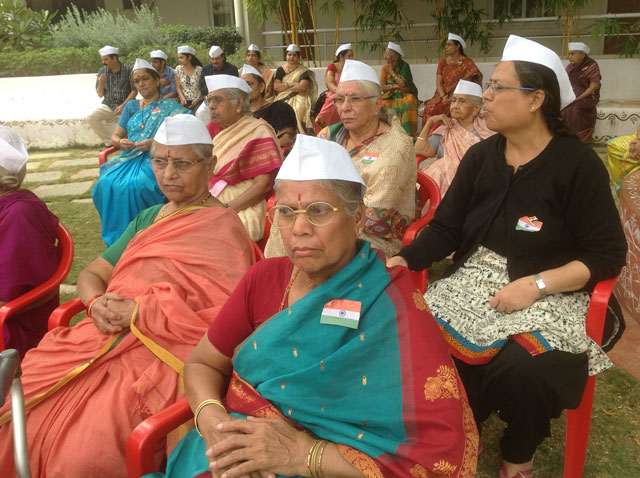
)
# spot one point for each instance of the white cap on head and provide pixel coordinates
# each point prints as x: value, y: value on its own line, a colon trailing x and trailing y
x: 108, y: 50
x: 13, y: 150
x: 249, y: 70
x: 218, y: 82
x: 182, y: 129
x: 345, y: 47
x: 313, y: 158
x: 395, y: 47
x: 215, y: 51
x: 357, y: 70
x: 140, y: 64
x: 579, y: 46
x: 523, y: 49
x: 458, y: 38
x: 158, y: 54
x: 293, y: 47
x: 186, y: 49
x: 253, y: 47
x: 465, y: 87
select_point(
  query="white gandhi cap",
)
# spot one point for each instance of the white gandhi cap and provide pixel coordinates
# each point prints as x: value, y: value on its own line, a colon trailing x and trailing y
x: 465, y: 87
x: 218, y: 82
x: 293, y: 47
x: 13, y: 150
x: 458, y: 38
x: 142, y: 64
x: 186, y: 49
x: 579, y: 46
x: 345, y: 47
x: 395, y: 47
x: 248, y: 69
x: 313, y: 158
x: 357, y: 70
x: 182, y: 129
x: 108, y: 50
x: 253, y: 47
x: 523, y: 49
x: 215, y: 51
x: 158, y: 54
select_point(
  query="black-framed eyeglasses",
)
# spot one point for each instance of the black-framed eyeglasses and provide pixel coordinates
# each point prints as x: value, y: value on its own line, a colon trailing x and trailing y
x: 354, y: 100
x: 214, y: 100
x: 494, y: 87
x: 317, y: 213
x: 180, y: 165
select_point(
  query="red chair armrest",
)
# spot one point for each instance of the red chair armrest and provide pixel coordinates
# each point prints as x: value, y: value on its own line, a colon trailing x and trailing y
x: 598, y: 308
x: 419, y: 159
x: 102, y: 157
x: 63, y: 313
x: 414, y: 229
x: 142, y: 441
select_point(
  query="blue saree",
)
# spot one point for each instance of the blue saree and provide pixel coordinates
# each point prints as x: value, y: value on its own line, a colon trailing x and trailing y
x: 127, y: 185
x: 386, y: 392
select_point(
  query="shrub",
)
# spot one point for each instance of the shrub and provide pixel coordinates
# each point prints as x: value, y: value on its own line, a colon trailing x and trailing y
x: 22, y: 28
x: 227, y: 38
x: 61, y: 61
x: 78, y: 28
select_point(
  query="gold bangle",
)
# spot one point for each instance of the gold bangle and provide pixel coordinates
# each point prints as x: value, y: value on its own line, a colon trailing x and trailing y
x: 420, y: 137
x: 319, y: 453
x: 204, y: 403
x: 315, y: 457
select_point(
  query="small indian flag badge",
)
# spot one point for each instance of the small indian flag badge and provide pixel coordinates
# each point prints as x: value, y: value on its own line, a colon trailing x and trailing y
x: 345, y: 313
x: 369, y: 157
x: 529, y: 224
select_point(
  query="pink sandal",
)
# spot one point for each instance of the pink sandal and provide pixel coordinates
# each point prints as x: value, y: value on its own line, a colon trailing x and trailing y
x: 520, y: 474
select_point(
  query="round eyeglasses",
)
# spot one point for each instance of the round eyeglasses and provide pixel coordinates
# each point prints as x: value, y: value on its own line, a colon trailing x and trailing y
x: 494, y: 87
x: 354, y: 100
x: 317, y: 213
x: 180, y: 165
x: 214, y: 100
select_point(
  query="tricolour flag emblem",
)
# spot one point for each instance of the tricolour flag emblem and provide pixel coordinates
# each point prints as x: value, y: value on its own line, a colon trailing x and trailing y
x: 369, y: 157
x: 345, y: 313
x: 529, y: 224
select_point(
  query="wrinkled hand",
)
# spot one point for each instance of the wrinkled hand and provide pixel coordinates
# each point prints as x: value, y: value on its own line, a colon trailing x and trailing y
x: 126, y: 143
x: 105, y: 316
x: 443, y: 119
x: 123, y: 308
x: 396, y: 261
x: 260, y: 445
x: 634, y: 149
x: 183, y: 101
x: 118, y: 109
x: 144, y: 145
x: 446, y: 99
x: 517, y: 295
x: 102, y: 79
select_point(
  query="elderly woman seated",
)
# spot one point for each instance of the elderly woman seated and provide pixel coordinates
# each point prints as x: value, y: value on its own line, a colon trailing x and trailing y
x: 247, y: 151
x: 338, y: 368
x: 381, y: 151
x: 126, y: 185
x: 149, y: 298
x: 531, y: 218
x: 28, y: 255
x: 451, y: 140
x: 400, y: 93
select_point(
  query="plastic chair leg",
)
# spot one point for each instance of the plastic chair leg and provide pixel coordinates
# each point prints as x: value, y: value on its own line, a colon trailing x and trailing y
x: 577, y: 433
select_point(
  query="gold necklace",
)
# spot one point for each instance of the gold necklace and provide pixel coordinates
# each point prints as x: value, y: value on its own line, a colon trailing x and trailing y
x: 286, y: 291
x: 201, y: 203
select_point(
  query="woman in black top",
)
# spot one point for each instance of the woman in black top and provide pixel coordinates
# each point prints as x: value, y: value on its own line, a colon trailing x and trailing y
x: 531, y: 218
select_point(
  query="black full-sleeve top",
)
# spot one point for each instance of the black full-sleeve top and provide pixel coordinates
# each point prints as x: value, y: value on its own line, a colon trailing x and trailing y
x: 566, y: 187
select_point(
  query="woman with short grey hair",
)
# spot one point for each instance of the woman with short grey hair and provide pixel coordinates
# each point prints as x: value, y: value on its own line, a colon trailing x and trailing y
x: 28, y: 255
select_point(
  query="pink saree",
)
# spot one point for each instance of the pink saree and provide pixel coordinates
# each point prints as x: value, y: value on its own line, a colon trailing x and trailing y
x: 180, y: 286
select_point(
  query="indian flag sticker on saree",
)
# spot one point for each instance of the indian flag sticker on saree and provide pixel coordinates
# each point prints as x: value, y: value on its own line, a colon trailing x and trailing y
x: 345, y: 313
x: 369, y: 157
x: 529, y: 224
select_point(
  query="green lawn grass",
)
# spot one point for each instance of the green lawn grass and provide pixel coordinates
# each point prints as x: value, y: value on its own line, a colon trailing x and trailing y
x: 614, y: 445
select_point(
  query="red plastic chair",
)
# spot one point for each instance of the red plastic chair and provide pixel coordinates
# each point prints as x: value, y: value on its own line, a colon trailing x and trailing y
x: 428, y: 191
x: 46, y: 291
x: 102, y: 157
x: 143, y: 440
x: 419, y: 159
x: 271, y: 201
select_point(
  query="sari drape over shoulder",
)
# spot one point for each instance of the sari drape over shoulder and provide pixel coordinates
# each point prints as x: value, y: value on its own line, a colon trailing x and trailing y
x: 621, y: 164
x: 405, y: 103
x: 180, y: 286
x: 127, y: 184
x: 246, y: 149
x: 301, y: 103
x: 462, y: 69
x: 28, y: 257
x: 386, y: 392
x: 581, y: 115
x: 456, y: 141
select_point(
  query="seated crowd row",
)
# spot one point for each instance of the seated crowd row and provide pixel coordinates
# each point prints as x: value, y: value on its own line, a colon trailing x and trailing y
x: 323, y: 359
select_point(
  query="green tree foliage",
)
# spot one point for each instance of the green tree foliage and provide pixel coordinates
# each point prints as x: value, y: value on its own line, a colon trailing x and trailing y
x: 22, y: 28
x: 627, y: 32
x: 227, y: 38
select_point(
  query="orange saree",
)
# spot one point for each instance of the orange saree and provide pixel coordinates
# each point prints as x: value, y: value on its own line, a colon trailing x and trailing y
x: 180, y: 286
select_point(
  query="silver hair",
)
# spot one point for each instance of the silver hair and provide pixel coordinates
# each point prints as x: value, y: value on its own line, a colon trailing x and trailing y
x: 349, y: 192
x: 476, y: 100
x: 11, y: 181
x: 203, y: 151
x: 385, y: 114
x: 234, y: 94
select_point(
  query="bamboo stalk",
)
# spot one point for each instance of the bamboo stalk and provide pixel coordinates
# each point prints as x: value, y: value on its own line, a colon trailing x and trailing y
x: 355, y: 12
x: 315, y: 32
